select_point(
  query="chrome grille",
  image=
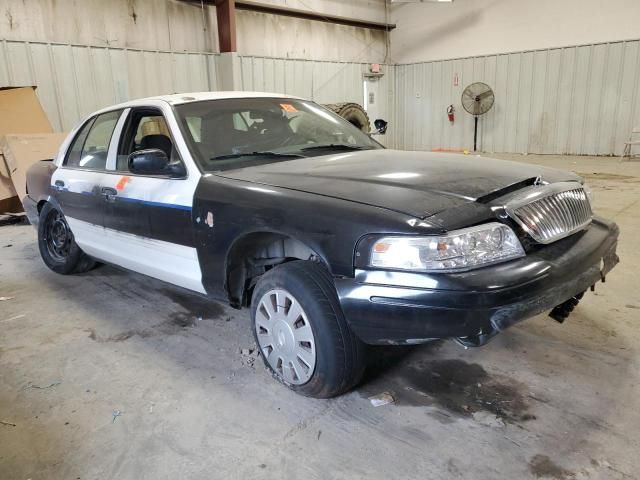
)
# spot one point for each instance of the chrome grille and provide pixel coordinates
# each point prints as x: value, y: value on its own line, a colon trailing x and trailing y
x: 552, y: 212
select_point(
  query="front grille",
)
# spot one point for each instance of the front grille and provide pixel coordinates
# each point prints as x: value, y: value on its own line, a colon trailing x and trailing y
x: 552, y: 212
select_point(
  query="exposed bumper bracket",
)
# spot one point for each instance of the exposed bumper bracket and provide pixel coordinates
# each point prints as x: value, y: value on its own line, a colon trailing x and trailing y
x: 562, y: 311
x: 476, y: 340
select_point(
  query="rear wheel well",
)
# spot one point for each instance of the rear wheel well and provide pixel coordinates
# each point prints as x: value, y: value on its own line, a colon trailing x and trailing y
x: 41, y: 204
x: 253, y: 255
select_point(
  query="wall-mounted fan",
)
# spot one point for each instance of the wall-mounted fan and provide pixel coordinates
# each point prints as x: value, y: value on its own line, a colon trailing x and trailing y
x: 477, y: 99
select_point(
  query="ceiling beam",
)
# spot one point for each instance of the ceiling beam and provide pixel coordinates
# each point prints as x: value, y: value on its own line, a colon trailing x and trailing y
x: 272, y: 9
x: 268, y: 8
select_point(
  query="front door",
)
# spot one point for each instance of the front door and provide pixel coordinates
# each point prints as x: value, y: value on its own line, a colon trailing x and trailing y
x: 148, y: 222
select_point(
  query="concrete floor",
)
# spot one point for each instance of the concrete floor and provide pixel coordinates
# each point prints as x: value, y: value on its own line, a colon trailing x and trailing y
x: 543, y: 400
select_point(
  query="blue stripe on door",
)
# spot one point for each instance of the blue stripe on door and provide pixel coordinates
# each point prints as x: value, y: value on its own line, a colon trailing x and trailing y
x: 154, y: 204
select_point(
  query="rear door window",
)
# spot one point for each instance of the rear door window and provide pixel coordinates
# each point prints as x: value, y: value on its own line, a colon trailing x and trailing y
x: 90, y: 147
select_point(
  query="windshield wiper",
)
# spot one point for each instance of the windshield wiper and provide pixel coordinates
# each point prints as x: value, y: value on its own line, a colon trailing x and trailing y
x: 336, y: 146
x: 256, y: 154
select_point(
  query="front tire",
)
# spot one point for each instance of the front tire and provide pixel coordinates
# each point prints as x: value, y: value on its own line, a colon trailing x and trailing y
x: 58, y: 248
x: 301, y: 331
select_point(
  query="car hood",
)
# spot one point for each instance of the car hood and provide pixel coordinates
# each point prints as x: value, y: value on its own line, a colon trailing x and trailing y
x: 419, y: 184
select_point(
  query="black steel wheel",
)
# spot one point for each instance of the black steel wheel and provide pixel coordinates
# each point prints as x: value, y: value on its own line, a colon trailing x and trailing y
x: 57, y: 236
x: 58, y: 248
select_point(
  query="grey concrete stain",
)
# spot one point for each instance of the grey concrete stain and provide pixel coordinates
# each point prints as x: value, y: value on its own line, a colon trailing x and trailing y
x: 541, y: 466
x: 182, y: 320
x: 177, y: 322
x: 458, y: 387
x: 118, y: 337
x: 196, y: 305
x: 597, y: 176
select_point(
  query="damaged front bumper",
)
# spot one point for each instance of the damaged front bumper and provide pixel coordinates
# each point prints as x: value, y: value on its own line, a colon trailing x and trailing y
x: 384, y: 307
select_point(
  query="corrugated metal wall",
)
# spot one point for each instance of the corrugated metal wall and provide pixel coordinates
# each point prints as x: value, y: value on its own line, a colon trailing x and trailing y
x: 573, y: 100
x: 324, y: 82
x: 75, y: 80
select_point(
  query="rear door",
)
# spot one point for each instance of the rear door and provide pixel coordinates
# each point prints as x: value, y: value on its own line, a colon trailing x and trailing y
x: 78, y: 181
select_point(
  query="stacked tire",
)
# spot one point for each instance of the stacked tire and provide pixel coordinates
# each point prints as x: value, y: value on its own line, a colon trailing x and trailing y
x: 353, y: 113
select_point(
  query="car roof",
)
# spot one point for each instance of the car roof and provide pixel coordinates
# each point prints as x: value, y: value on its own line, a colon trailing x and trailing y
x: 180, y: 98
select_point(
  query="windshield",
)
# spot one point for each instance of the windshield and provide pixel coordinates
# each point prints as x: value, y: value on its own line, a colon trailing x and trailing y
x: 236, y: 133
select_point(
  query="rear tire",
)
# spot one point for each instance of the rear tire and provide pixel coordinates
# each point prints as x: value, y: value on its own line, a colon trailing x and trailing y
x: 301, y: 331
x: 58, y: 248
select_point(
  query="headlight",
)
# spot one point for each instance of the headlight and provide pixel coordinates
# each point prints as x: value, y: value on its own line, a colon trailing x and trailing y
x: 457, y: 250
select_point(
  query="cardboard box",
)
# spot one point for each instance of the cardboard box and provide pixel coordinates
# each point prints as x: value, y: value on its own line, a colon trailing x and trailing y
x: 21, y: 151
x: 6, y: 187
x: 21, y: 113
x: 10, y: 205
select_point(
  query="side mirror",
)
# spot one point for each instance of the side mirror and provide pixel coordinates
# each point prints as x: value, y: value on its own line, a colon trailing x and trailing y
x: 154, y: 162
x: 380, y: 126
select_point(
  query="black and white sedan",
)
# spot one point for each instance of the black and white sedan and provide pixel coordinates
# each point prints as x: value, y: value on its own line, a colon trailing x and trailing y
x: 273, y: 202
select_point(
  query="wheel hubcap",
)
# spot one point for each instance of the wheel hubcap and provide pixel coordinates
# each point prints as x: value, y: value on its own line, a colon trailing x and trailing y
x: 285, y: 336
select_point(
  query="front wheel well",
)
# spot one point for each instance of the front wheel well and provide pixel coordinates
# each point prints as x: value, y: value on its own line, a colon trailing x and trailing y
x: 253, y: 255
x: 41, y: 204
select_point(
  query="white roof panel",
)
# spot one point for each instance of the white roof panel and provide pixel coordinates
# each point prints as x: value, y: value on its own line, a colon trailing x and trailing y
x: 180, y: 98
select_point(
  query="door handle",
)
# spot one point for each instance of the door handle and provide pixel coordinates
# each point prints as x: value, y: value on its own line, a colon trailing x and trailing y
x: 109, y: 192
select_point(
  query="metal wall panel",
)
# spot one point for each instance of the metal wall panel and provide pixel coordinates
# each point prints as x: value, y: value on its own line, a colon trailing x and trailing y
x: 574, y: 100
x: 74, y: 80
x: 324, y: 82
